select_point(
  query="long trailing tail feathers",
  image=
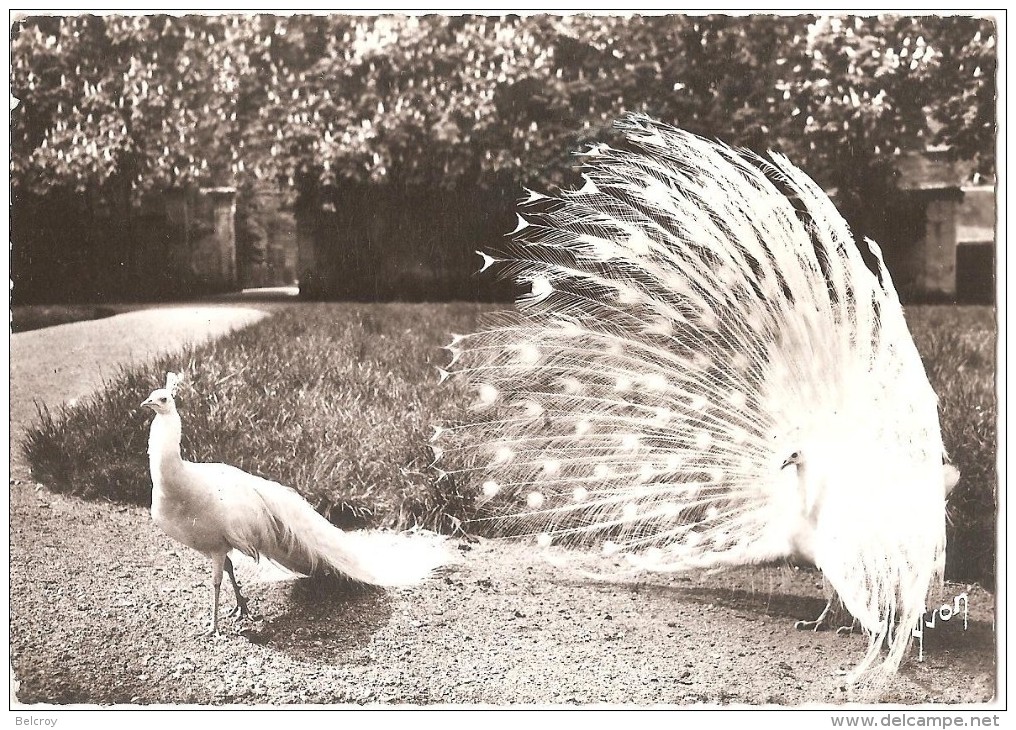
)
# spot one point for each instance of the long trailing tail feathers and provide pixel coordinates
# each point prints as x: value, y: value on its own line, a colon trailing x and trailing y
x: 298, y: 538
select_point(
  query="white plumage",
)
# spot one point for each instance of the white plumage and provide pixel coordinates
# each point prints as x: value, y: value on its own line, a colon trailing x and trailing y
x: 706, y: 373
x: 216, y: 509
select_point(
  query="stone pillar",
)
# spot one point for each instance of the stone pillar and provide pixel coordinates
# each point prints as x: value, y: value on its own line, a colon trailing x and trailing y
x: 938, y: 275
x: 929, y: 183
x: 213, y: 247
x: 281, y: 249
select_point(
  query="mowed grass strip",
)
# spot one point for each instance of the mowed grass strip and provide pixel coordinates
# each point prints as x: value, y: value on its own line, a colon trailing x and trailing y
x: 36, y: 316
x: 339, y: 401
x: 958, y: 346
x: 335, y: 400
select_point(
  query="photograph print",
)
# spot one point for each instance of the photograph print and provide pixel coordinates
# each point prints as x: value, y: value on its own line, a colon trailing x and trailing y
x: 545, y: 360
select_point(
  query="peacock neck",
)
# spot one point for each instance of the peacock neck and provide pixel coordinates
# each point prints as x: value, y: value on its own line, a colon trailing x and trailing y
x: 810, y: 489
x: 164, y: 443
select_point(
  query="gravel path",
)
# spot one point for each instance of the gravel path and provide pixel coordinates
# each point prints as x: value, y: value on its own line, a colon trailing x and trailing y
x: 105, y: 608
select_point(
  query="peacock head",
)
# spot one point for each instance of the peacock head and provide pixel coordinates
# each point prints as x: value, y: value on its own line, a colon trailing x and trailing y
x: 795, y: 458
x: 161, y: 400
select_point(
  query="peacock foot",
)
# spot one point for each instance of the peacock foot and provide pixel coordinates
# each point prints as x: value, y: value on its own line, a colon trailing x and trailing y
x: 819, y: 624
x: 830, y: 616
x: 847, y: 630
x: 240, y: 610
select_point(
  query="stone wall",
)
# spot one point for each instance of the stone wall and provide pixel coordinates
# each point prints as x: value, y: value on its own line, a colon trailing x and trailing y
x: 73, y: 246
x: 198, y: 237
x: 938, y: 260
x: 976, y: 253
x: 267, y: 241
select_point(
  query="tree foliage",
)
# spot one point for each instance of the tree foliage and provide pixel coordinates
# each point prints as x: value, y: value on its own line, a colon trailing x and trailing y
x: 461, y: 100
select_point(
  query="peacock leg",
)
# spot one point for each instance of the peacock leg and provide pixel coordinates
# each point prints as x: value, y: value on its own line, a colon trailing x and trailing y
x: 217, y: 562
x: 241, y: 608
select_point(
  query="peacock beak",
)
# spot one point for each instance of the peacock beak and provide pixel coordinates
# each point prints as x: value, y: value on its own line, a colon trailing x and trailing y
x: 794, y: 458
x: 148, y: 402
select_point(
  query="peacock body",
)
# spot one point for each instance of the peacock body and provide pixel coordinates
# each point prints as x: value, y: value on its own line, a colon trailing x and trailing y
x: 224, y: 513
x: 706, y: 373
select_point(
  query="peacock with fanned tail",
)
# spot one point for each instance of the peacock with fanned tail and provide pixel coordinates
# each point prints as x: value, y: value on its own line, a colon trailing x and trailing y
x: 705, y: 372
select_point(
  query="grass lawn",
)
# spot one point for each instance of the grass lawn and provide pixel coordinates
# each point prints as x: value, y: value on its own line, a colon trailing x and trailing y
x: 958, y: 346
x: 36, y: 316
x: 339, y: 400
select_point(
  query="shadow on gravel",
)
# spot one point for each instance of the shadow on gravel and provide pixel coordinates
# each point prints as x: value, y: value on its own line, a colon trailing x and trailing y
x: 758, y: 601
x: 975, y: 638
x: 323, y: 619
x: 946, y: 642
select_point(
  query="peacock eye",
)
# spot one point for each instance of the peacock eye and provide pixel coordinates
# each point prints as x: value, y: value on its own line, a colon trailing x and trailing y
x: 162, y: 400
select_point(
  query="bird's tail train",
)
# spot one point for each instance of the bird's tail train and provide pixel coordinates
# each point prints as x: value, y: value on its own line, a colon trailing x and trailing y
x: 306, y: 543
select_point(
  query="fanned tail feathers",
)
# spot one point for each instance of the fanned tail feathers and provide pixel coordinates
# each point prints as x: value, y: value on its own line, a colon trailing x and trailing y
x: 696, y: 316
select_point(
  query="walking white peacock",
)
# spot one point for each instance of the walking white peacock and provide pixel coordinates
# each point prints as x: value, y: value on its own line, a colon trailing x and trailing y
x: 706, y: 373
x: 220, y: 510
